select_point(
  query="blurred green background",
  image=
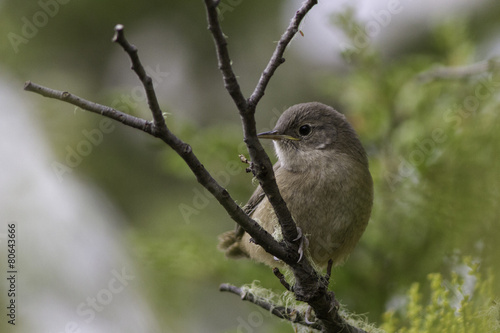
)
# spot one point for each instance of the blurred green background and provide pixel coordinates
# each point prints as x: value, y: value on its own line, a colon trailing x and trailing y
x: 433, y: 144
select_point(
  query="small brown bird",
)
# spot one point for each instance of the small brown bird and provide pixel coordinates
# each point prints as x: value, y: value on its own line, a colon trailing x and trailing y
x: 322, y: 174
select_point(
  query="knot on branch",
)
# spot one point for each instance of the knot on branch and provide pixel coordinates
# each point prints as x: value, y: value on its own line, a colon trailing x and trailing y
x: 310, y: 293
x: 187, y: 149
x: 259, y: 171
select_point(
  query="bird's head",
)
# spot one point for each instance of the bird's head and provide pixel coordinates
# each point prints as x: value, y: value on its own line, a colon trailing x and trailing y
x: 310, y: 134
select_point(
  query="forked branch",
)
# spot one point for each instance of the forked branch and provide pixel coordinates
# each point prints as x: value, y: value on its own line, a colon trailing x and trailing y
x: 261, y: 166
x: 310, y: 286
x: 292, y: 315
x: 159, y: 129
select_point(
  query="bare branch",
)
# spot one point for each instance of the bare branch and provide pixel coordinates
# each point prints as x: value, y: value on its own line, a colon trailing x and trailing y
x: 84, y: 104
x: 292, y: 315
x: 230, y: 81
x: 282, y: 279
x: 160, y: 131
x: 309, y: 287
x: 119, y: 37
x: 282, y: 312
x: 277, y: 58
x: 183, y: 149
x: 261, y: 164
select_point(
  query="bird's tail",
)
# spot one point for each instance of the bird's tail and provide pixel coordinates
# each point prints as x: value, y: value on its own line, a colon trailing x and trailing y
x: 229, y: 242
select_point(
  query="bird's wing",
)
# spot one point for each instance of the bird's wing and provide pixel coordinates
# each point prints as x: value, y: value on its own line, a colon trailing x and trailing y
x: 253, y: 202
x: 230, y: 240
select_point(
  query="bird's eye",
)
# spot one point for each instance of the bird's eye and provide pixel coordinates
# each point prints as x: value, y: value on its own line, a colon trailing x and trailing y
x: 305, y: 130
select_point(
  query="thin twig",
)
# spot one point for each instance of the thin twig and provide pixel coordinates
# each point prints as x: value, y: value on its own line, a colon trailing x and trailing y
x: 309, y: 286
x: 154, y: 106
x: 277, y: 57
x: 184, y: 150
x: 84, y: 104
x: 282, y: 312
x: 230, y: 81
x: 262, y: 166
x: 282, y: 279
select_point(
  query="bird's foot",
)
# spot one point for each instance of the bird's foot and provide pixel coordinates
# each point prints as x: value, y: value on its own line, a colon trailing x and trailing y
x: 307, y: 316
x: 304, y: 243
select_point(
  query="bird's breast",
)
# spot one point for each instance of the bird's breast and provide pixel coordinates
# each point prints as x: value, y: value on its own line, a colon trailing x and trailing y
x: 331, y: 205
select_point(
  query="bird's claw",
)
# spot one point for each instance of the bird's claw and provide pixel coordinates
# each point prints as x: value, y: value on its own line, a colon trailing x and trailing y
x: 308, y: 315
x: 304, y: 243
x: 299, y: 234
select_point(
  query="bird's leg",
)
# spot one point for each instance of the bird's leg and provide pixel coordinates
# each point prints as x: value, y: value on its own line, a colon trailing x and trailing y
x: 304, y: 243
x: 328, y: 272
x: 326, y: 279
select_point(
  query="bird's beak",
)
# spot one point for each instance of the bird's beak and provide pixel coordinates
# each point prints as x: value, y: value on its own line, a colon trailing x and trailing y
x: 273, y: 135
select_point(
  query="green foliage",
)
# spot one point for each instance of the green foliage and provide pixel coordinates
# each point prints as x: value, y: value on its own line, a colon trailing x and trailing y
x: 434, y: 148
x: 451, y: 306
x: 461, y: 304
